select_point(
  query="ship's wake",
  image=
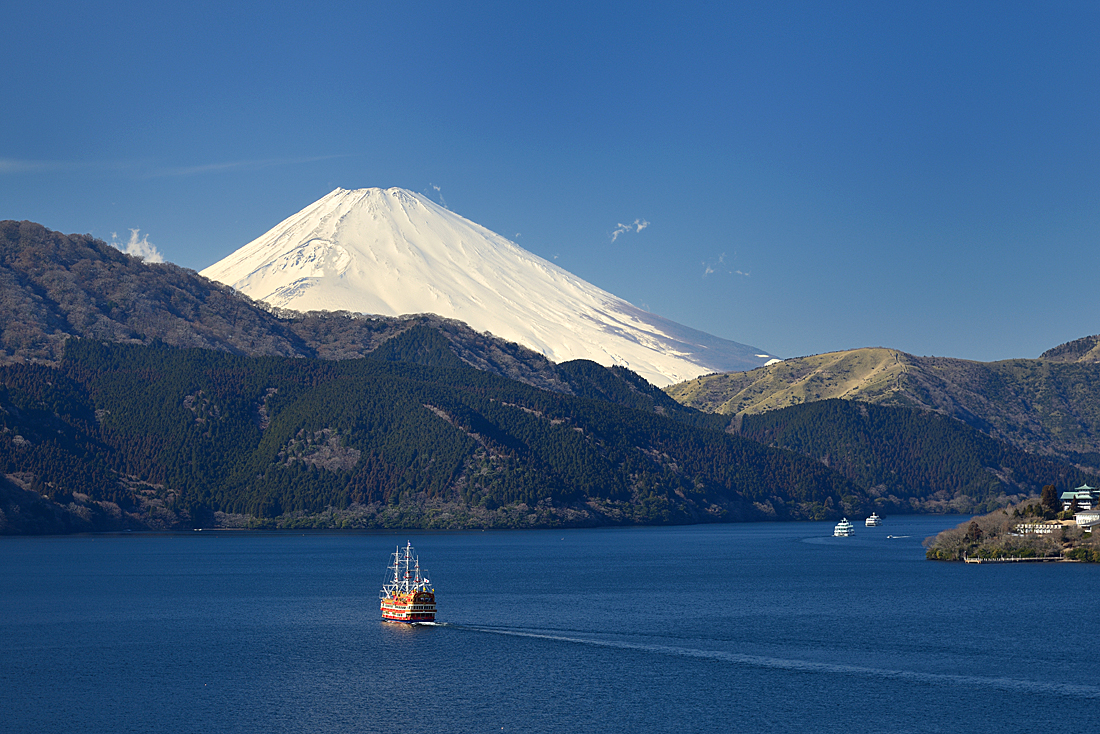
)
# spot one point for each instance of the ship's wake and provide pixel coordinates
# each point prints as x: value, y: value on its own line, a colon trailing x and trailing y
x: 806, y: 666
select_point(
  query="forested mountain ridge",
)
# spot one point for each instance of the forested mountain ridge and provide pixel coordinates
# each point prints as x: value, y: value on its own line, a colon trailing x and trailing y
x: 144, y: 396
x: 1085, y: 349
x: 53, y: 286
x: 135, y: 436
x: 1048, y: 406
x: 150, y: 436
x: 909, y: 459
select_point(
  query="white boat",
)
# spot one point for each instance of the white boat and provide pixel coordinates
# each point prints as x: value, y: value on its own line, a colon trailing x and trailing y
x: 844, y: 529
x: 874, y: 520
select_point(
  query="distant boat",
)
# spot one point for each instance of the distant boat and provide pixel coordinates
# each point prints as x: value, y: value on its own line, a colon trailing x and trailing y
x: 844, y: 529
x: 874, y: 520
x: 409, y: 596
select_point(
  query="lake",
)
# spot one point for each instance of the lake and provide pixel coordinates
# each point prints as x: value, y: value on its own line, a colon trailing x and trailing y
x: 749, y: 627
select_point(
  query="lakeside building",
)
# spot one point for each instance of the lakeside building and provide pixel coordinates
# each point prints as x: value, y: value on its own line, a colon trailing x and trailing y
x: 1085, y: 497
x: 1037, y: 528
x: 1087, y: 519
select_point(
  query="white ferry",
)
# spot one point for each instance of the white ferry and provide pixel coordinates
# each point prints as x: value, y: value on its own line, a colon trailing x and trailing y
x: 844, y: 529
x: 874, y: 520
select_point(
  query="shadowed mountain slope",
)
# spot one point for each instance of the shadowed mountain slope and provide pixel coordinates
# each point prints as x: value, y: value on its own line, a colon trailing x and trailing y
x: 909, y: 459
x: 53, y: 286
x: 1046, y: 406
x: 120, y: 436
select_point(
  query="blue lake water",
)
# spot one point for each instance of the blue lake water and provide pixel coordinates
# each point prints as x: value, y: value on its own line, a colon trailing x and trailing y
x: 756, y: 627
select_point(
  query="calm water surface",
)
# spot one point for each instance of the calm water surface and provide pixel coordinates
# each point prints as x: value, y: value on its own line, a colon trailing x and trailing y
x: 763, y: 627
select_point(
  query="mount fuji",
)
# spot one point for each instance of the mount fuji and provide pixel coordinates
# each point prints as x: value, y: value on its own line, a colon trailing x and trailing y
x: 393, y: 252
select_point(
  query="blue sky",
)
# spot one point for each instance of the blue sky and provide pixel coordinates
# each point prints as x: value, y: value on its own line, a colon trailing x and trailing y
x: 816, y: 176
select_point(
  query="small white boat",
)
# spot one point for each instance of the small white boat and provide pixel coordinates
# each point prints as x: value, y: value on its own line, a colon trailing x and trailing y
x: 844, y: 529
x: 874, y: 520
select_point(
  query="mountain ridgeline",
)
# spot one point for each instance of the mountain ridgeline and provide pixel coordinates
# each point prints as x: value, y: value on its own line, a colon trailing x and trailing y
x: 1048, y: 406
x: 135, y: 436
x: 908, y: 459
x: 145, y: 396
x: 53, y: 286
x: 147, y: 436
x: 392, y: 251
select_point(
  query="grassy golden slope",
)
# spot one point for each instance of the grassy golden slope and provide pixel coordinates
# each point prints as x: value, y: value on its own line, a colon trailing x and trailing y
x: 1048, y: 406
x: 1086, y: 349
x: 861, y: 374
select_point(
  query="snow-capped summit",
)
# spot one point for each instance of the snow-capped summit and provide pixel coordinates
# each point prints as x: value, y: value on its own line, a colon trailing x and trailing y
x: 392, y: 252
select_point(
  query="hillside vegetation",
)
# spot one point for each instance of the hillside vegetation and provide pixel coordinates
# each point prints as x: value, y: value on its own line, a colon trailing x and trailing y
x: 910, y: 460
x: 867, y: 374
x: 1086, y: 349
x: 53, y: 286
x: 148, y: 436
x: 1046, y: 406
x: 997, y: 535
x: 145, y: 396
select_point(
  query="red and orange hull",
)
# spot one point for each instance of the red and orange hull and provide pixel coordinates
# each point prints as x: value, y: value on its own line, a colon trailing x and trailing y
x: 411, y: 608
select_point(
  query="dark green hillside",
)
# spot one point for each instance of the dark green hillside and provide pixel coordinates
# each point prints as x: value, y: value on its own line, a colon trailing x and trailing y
x: 412, y: 436
x: 910, y: 459
x: 56, y: 433
x: 178, y: 401
x: 56, y: 474
x: 624, y: 387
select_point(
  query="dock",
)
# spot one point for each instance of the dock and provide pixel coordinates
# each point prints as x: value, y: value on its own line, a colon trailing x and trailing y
x: 1038, y: 559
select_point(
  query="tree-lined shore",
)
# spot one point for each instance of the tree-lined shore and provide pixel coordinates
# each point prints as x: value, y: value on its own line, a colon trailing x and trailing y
x: 1036, y: 528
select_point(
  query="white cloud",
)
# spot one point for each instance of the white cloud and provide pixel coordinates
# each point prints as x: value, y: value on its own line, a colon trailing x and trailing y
x: 720, y: 266
x: 637, y: 226
x: 439, y: 192
x: 12, y: 165
x: 142, y: 247
x: 235, y: 166
x: 145, y: 169
x: 8, y: 165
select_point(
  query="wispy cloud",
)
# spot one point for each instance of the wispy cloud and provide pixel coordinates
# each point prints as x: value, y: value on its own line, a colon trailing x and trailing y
x: 14, y: 165
x: 719, y: 266
x: 224, y: 166
x: 139, y: 247
x: 147, y: 169
x: 7, y: 165
x: 439, y: 193
x: 637, y: 226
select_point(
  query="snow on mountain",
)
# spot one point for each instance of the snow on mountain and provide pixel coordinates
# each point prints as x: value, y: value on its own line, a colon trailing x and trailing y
x: 395, y: 252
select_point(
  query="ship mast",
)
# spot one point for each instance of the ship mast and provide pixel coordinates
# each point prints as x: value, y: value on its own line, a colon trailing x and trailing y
x: 405, y: 577
x: 406, y: 573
